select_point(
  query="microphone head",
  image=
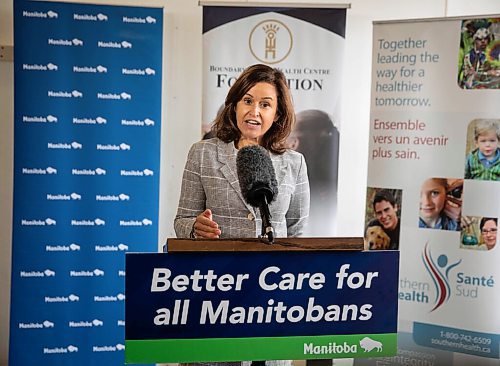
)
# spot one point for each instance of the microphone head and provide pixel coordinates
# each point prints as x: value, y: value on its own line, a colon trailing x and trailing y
x: 256, y: 175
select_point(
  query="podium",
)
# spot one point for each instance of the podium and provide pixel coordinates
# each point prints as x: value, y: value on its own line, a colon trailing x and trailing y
x: 236, y: 300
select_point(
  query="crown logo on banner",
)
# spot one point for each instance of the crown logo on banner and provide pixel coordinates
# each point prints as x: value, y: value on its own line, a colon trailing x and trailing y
x: 270, y: 41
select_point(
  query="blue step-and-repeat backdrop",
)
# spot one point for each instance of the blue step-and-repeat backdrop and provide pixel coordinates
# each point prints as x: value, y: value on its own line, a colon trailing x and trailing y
x: 87, y: 115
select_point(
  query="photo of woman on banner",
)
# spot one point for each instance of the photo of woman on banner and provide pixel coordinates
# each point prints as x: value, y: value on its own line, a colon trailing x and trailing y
x: 483, y: 144
x: 480, y: 233
x: 480, y: 64
x: 316, y: 137
x: 441, y: 204
x: 489, y: 228
x: 258, y: 110
x: 382, y: 232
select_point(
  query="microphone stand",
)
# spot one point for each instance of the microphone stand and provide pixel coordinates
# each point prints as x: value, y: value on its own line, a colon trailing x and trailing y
x: 267, y: 228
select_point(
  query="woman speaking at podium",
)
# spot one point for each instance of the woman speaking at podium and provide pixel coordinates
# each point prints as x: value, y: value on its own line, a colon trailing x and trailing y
x: 258, y: 110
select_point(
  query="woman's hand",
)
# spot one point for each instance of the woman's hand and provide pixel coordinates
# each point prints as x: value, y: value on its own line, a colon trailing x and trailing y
x: 453, y: 210
x: 466, y: 222
x: 453, y: 205
x: 205, y: 227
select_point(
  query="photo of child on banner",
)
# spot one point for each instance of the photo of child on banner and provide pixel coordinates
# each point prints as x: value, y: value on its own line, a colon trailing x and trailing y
x: 383, y: 218
x: 441, y: 204
x: 483, y: 150
x: 479, y: 62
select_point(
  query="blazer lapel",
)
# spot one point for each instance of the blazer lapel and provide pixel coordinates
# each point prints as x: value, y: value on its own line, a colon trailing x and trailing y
x: 280, y: 164
x: 226, y: 156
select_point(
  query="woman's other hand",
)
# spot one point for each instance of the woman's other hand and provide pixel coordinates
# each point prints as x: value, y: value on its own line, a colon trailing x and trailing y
x: 205, y: 227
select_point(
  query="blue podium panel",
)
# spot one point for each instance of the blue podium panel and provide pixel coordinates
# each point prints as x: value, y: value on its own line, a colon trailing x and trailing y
x: 207, y: 306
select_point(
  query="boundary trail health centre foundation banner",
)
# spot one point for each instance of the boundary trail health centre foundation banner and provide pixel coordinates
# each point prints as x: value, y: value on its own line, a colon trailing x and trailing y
x: 435, y: 152
x: 237, y: 37
x: 87, y: 112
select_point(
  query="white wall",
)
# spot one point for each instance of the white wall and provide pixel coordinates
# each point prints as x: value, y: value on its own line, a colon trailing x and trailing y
x: 182, y: 108
x: 6, y: 166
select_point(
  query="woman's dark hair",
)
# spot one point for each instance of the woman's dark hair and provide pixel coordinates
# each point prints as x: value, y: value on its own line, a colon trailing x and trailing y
x: 484, y: 220
x: 225, y: 126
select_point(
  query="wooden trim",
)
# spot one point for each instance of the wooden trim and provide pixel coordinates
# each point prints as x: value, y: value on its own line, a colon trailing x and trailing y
x: 258, y: 245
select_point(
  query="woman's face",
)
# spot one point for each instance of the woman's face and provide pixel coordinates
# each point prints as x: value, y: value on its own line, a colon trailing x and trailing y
x: 432, y: 199
x: 489, y: 233
x: 256, y: 112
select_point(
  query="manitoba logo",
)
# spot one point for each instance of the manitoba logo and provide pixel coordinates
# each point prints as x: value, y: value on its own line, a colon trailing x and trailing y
x: 440, y: 274
x: 369, y: 345
x: 330, y: 348
x: 270, y: 41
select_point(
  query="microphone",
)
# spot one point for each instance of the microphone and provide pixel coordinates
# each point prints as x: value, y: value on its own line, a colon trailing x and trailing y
x: 258, y: 183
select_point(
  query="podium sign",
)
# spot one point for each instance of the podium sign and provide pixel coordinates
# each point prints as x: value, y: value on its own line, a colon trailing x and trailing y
x: 234, y: 306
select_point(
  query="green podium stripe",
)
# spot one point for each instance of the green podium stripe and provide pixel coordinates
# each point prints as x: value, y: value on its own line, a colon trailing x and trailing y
x: 255, y: 349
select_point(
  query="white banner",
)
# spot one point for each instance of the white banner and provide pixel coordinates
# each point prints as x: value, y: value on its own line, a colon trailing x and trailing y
x: 308, y: 46
x: 434, y: 150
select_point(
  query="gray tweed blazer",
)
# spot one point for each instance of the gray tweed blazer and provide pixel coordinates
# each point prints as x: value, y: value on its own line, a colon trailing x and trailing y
x: 210, y: 181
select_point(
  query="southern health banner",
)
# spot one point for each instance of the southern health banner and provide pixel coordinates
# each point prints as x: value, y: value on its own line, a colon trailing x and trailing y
x: 237, y: 37
x: 209, y: 306
x: 435, y: 152
x: 87, y: 112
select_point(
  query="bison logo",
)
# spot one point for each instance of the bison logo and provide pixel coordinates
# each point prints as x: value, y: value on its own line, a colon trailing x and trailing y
x: 369, y: 344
